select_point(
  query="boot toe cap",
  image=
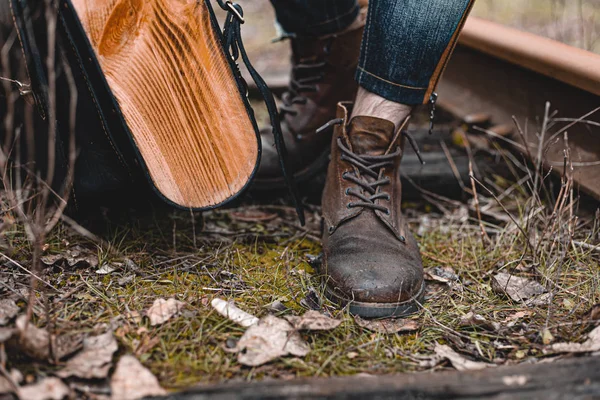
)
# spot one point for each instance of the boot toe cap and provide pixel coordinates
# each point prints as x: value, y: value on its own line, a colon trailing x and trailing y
x: 374, y: 272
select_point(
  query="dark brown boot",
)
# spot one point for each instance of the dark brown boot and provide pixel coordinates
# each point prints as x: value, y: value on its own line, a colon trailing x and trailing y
x: 322, y: 75
x: 370, y: 259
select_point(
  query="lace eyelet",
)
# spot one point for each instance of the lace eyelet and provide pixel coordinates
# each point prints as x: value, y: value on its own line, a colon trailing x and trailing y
x: 331, y: 229
x: 347, y: 191
x: 402, y: 239
x: 345, y: 175
x: 349, y: 205
x: 387, y: 211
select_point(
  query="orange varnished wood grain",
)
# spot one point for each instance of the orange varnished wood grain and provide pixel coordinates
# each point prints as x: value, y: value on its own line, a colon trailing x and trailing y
x: 177, y: 93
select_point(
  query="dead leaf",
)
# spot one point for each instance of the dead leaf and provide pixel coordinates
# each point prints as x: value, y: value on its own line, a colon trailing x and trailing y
x: 8, y: 310
x: 32, y: 340
x: 95, y: 360
x: 5, y: 334
x: 593, y: 314
x: 590, y: 345
x: 107, y: 269
x: 269, y: 339
x: 46, y: 389
x: 312, y: 300
x: 539, y: 301
x: 133, y: 317
x: 252, y: 215
x: 387, y: 326
x: 429, y: 361
x: 313, y: 321
x: 476, y: 320
x: 229, y: 280
x: 125, y: 280
x: 66, y: 345
x: 568, y: 304
x: 6, y: 386
x: 145, y: 344
x: 277, y: 307
x: 75, y: 257
x: 444, y: 275
x: 511, y: 320
x: 547, y: 337
x: 441, y: 274
x: 459, y: 362
x: 130, y: 265
x: 132, y: 381
x: 229, y: 310
x: 163, y: 310
x: 517, y: 288
x: 16, y: 376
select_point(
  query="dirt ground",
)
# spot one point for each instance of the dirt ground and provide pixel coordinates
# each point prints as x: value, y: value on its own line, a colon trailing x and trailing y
x: 513, y: 277
x: 258, y: 257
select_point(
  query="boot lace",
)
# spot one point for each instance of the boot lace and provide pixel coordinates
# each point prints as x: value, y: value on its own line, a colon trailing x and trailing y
x: 305, y: 79
x: 370, y: 168
x: 232, y: 41
x: 369, y: 179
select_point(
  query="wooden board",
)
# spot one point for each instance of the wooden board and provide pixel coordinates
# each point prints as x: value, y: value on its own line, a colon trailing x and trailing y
x: 176, y: 91
x: 575, y: 379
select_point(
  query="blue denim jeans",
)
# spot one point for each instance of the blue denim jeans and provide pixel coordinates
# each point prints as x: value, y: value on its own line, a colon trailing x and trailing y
x: 406, y: 43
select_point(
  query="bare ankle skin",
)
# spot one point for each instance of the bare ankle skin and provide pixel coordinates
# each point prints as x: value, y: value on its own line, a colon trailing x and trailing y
x: 372, y: 105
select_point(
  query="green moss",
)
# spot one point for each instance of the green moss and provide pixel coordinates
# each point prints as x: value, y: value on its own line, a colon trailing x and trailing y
x: 255, y: 264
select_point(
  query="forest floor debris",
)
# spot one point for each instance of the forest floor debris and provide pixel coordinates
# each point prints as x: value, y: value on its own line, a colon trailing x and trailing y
x: 521, y: 292
x: 262, y: 267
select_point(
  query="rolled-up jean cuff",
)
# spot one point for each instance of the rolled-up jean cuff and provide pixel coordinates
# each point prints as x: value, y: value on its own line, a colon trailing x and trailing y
x: 396, y: 92
x: 330, y: 18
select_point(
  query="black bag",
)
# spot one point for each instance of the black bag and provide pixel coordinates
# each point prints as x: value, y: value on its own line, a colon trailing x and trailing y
x: 109, y: 162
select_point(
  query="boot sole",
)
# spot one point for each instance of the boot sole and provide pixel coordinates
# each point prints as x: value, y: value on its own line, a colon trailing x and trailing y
x: 379, y: 310
x: 313, y: 169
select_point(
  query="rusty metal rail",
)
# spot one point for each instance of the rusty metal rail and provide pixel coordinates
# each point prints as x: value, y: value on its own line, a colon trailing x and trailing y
x: 506, y: 72
x: 562, y: 62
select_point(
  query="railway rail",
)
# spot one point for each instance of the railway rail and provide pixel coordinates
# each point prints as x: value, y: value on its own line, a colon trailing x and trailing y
x: 504, y: 74
x: 510, y: 73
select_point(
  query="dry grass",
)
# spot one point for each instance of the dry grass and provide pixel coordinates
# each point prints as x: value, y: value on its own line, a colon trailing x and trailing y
x: 533, y: 229
x: 256, y: 263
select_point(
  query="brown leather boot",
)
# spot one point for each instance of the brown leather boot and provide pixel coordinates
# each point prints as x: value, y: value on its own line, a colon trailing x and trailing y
x: 322, y: 75
x: 370, y: 259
